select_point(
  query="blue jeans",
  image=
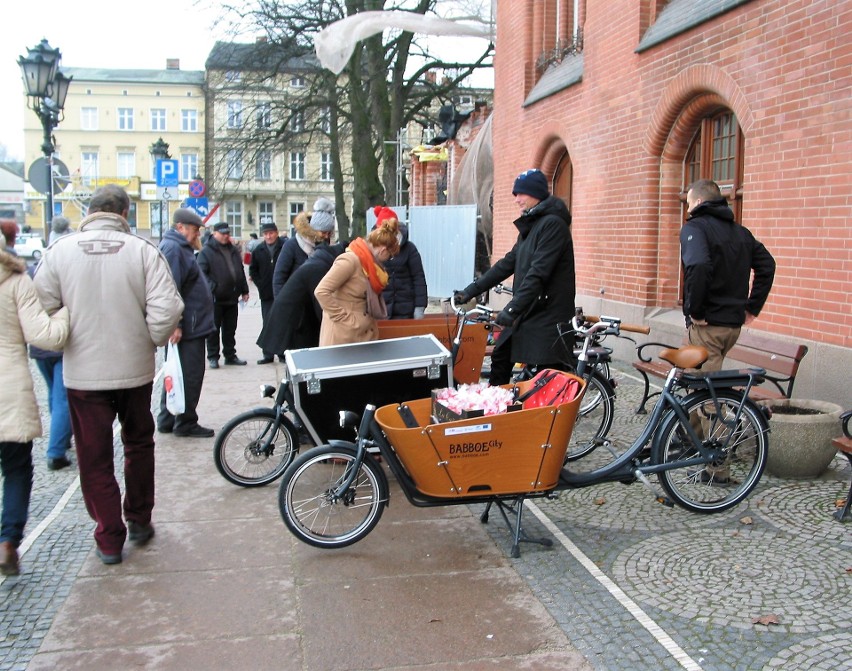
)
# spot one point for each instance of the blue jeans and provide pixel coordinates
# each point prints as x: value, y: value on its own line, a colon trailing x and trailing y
x: 60, y: 419
x: 16, y: 463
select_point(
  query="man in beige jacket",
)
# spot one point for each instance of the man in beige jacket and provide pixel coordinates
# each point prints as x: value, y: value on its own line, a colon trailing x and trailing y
x: 123, y: 304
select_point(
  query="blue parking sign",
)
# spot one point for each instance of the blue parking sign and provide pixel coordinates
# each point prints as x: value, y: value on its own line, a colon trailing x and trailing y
x: 167, y: 172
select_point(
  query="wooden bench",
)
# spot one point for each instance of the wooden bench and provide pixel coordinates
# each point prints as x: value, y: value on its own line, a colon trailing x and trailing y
x: 780, y: 360
x: 844, y: 446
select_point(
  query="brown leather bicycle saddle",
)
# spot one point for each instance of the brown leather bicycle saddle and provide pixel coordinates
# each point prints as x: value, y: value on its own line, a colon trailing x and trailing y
x: 689, y: 356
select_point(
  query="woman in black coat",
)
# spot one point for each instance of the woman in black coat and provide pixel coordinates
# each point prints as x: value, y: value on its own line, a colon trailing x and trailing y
x: 295, y: 318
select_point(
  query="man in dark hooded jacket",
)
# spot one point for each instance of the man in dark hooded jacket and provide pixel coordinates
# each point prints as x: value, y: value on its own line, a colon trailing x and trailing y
x: 178, y: 246
x: 542, y: 262
x: 718, y: 257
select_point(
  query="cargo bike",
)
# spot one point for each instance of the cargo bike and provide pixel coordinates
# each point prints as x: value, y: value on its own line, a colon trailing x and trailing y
x: 705, y: 442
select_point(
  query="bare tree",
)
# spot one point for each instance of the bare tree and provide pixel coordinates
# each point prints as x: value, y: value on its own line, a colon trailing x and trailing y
x: 383, y: 88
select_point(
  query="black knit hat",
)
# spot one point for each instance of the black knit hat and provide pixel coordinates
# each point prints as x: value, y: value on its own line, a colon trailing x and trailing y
x: 532, y: 183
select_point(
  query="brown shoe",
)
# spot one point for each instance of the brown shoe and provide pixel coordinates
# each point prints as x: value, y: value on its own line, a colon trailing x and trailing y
x: 9, y: 554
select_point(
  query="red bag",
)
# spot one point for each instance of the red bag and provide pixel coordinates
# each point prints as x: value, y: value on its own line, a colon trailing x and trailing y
x: 550, y: 387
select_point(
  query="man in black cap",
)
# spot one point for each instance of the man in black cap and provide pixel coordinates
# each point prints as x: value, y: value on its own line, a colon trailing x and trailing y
x: 221, y: 263
x: 261, y: 267
x: 542, y: 262
x: 178, y: 246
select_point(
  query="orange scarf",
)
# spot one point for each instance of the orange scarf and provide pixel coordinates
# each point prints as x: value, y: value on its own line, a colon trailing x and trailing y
x: 375, y: 273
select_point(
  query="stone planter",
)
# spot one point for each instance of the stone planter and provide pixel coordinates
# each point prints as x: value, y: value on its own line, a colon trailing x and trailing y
x: 800, y: 442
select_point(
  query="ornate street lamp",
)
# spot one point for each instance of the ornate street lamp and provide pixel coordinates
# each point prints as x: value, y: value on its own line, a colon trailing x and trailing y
x: 160, y: 152
x: 46, y: 89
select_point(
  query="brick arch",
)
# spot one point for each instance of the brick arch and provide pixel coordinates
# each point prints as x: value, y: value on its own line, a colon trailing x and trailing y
x: 696, y: 81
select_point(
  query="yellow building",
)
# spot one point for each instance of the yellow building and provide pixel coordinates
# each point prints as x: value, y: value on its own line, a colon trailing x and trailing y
x: 111, y: 119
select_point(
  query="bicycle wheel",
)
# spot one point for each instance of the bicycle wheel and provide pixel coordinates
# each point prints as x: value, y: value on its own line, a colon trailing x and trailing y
x: 312, y: 511
x: 594, y: 418
x: 717, y: 486
x: 248, y: 454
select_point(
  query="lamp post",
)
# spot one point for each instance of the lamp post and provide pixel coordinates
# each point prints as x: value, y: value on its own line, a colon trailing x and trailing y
x: 46, y: 88
x: 160, y: 152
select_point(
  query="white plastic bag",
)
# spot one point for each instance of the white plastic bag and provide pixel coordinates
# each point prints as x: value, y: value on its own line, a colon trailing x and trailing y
x: 173, y: 382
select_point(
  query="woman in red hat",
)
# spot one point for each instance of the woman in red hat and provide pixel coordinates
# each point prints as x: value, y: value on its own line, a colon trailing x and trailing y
x: 351, y: 292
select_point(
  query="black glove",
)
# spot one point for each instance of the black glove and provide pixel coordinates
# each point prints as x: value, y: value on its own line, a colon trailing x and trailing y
x: 505, y: 318
x: 470, y: 291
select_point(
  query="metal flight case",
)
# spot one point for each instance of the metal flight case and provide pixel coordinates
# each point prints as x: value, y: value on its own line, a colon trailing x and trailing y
x: 326, y: 380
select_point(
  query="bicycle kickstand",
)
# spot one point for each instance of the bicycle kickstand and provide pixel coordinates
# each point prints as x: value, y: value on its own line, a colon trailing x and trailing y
x: 658, y: 495
x: 516, y: 528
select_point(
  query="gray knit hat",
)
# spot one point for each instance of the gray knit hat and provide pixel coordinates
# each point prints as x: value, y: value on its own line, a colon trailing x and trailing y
x: 322, y: 219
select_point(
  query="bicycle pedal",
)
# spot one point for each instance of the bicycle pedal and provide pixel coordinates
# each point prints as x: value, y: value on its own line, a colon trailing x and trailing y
x: 552, y: 495
x: 666, y: 501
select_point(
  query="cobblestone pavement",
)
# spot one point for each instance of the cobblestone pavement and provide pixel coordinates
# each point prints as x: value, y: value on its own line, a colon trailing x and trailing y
x: 633, y: 584
x: 637, y: 585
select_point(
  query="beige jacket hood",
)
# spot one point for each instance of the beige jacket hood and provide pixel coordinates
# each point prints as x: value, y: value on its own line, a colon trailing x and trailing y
x: 122, y: 299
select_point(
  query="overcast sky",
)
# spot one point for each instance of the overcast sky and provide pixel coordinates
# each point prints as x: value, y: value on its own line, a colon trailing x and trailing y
x: 103, y: 33
x: 98, y: 33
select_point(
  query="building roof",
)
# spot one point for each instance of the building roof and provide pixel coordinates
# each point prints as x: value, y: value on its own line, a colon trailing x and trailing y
x: 106, y: 75
x: 262, y: 56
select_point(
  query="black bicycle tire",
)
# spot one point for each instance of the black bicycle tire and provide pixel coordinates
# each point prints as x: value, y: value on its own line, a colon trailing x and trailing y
x: 608, y: 401
x: 325, y: 510
x: 677, y: 483
x: 220, y: 445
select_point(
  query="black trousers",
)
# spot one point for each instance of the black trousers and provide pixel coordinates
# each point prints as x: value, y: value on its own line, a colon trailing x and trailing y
x: 502, y: 364
x: 265, y: 307
x: 191, y: 354
x: 225, y: 318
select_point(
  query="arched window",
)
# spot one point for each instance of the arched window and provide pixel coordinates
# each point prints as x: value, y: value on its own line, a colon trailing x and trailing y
x: 563, y: 178
x: 716, y: 152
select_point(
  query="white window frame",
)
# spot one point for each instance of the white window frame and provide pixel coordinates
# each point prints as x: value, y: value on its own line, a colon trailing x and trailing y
x: 297, y: 121
x: 263, y: 166
x: 297, y: 166
x: 88, y: 118
x: 189, y: 120
x: 266, y: 211
x: 124, y: 117
x: 158, y: 119
x: 89, y: 167
x: 188, y: 166
x: 263, y: 115
x: 326, y: 169
x: 235, y: 114
x: 234, y: 217
x: 234, y: 164
x: 125, y: 164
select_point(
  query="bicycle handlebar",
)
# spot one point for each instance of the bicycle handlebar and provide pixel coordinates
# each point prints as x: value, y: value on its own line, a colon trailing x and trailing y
x: 632, y: 328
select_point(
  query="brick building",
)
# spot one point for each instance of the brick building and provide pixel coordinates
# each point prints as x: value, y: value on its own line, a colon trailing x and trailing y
x: 624, y: 103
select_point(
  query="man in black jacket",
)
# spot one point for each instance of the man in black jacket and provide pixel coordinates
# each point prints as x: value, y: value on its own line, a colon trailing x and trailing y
x: 221, y: 263
x: 178, y: 246
x: 542, y: 262
x: 718, y: 257
x: 263, y: 259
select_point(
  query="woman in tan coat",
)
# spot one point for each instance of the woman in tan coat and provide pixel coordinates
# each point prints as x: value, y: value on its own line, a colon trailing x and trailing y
x: 351, y: 292
x: 22, y: 320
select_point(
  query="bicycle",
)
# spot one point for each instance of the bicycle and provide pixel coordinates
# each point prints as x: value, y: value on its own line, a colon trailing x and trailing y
x: 255, y: 447
x: 333, y: 495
